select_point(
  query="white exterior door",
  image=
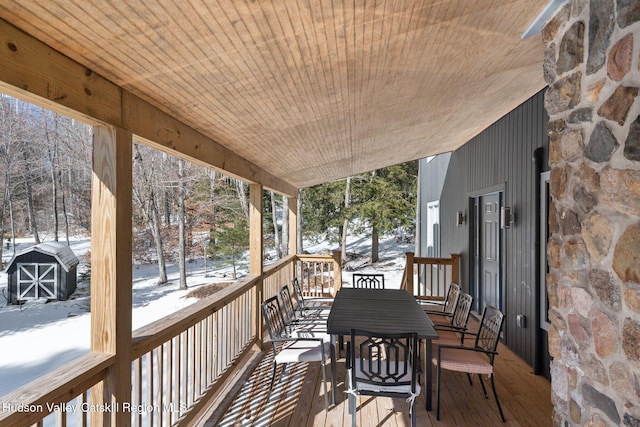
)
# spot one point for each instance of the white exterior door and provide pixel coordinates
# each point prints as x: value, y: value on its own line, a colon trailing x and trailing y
x: 36, y: 280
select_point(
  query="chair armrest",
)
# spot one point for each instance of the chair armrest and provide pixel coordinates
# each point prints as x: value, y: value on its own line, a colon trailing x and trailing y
x: 294, y: 339
x: 438, y: 312
x: 462, y: 347
x: 442, y: 327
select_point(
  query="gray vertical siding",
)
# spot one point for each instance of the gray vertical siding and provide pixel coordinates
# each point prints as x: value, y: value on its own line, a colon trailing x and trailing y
x: 503, y: 155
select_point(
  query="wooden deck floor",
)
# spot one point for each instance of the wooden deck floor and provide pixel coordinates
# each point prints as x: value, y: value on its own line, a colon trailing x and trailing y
x: 297, y: 400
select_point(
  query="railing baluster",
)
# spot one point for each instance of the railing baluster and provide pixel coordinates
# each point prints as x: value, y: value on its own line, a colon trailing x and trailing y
x: 159, y: 392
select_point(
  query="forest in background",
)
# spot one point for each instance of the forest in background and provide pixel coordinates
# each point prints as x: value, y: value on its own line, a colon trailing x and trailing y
x: 180, y: 210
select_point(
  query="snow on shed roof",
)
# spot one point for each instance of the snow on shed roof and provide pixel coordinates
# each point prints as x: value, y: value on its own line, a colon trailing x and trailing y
x: 62, y: 253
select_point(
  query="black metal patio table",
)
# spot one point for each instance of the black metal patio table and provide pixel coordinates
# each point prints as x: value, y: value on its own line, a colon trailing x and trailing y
x: 384, y: 311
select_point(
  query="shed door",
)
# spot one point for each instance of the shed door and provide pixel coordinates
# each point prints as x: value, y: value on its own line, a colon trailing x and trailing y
x: 37, y: 280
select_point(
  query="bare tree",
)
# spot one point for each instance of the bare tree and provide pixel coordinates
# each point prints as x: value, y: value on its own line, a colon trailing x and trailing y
x: 182, y: 194
x: 242, y: 196
x: 144, y: 192
x: 51, y: 147
x: 276, y: 231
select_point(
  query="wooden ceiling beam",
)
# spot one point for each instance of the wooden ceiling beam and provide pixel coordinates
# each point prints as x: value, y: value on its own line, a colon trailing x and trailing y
x: 39, y: 74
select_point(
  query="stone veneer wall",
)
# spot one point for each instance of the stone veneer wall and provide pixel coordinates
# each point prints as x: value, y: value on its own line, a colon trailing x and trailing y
x: 592, y: 65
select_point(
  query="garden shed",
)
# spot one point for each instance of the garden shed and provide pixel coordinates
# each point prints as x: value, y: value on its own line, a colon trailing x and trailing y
x: 46, y: 270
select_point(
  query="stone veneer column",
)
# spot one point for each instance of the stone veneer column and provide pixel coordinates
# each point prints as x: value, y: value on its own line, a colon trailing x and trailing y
x: 592, y: 68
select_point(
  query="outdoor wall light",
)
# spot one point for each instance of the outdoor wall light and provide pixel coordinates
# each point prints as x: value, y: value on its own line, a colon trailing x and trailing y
x: 507, y: 217
x: 460, y: 219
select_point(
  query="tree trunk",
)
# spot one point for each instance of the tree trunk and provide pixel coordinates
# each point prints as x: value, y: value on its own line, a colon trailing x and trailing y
x: 13, y: 227
x: 63, y: 201
x: 374, y: 244
x: 285, y: 225
x: 33, y: 226
x: 157, y: 239
x: 148, y: 205
x: 276, y: 232
x: 181, y: 225
x: 345, y: 226
x: 52, y: 143
x: 242, y: 196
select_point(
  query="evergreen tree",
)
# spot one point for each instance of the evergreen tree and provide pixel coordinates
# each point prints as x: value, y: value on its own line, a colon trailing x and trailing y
x: 230, y: 241
x: 385, y: 201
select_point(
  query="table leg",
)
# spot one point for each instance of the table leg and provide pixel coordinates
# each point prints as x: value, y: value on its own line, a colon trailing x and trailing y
x: 333, y: 370
x: 428, y: 373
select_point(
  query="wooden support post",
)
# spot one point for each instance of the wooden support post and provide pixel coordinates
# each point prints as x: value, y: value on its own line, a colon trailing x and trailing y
x: 256, y: 253
x: 409, y: 272
x: 337, y: 271
x: 111, y: 280
x: 293, y: 234
x: 293, y: 225
x: 455, y: 268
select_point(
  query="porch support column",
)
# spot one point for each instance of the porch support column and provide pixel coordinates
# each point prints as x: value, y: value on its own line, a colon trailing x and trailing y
x: 293, y: 225
x: 256, y: 252
x: 111, y: 270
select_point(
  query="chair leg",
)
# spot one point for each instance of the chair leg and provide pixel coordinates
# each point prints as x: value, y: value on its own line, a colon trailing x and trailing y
x: 273, y: 376
x: 352, y: 409
x: 470, y: 380
x: 413, y: 414
x: 495, y: 394
x: 484, y: 390
x: 437, y: 392
x: 324, y: 382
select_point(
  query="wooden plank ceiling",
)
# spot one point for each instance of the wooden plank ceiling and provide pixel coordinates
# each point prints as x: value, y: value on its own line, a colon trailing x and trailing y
x: 309, y: 91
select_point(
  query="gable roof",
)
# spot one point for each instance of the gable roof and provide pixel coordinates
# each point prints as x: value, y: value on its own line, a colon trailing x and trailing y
x: 60, y: 251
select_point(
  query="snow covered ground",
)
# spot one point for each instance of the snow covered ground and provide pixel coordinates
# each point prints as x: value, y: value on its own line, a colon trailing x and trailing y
x: 38, y: 337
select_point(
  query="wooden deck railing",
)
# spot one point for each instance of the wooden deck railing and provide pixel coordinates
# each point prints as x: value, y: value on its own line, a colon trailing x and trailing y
x: 317, y: 274
x: 428, y: 278
x: 178, y: 362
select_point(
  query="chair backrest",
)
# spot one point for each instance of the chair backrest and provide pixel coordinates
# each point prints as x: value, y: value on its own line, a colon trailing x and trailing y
x: 273, y: 318
x: 451, y: 301
x: 368, y: 281
x: 287, y: 304
x: 297, y: 293
x: 461, y: 313
x: 489, y: 331
x: 384, y: 359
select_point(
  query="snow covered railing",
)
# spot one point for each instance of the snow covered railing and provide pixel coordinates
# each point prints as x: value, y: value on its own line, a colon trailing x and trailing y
x: 428, y: 278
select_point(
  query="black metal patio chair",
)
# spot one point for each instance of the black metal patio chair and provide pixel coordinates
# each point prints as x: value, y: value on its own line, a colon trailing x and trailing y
x: 292, y: 347
x: 382, y: 365
x: 368, y: 280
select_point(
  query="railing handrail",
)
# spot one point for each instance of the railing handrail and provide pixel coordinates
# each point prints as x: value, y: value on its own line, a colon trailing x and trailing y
x: 304, y: 257
x: 31, y: 402
x: 278, y: 265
